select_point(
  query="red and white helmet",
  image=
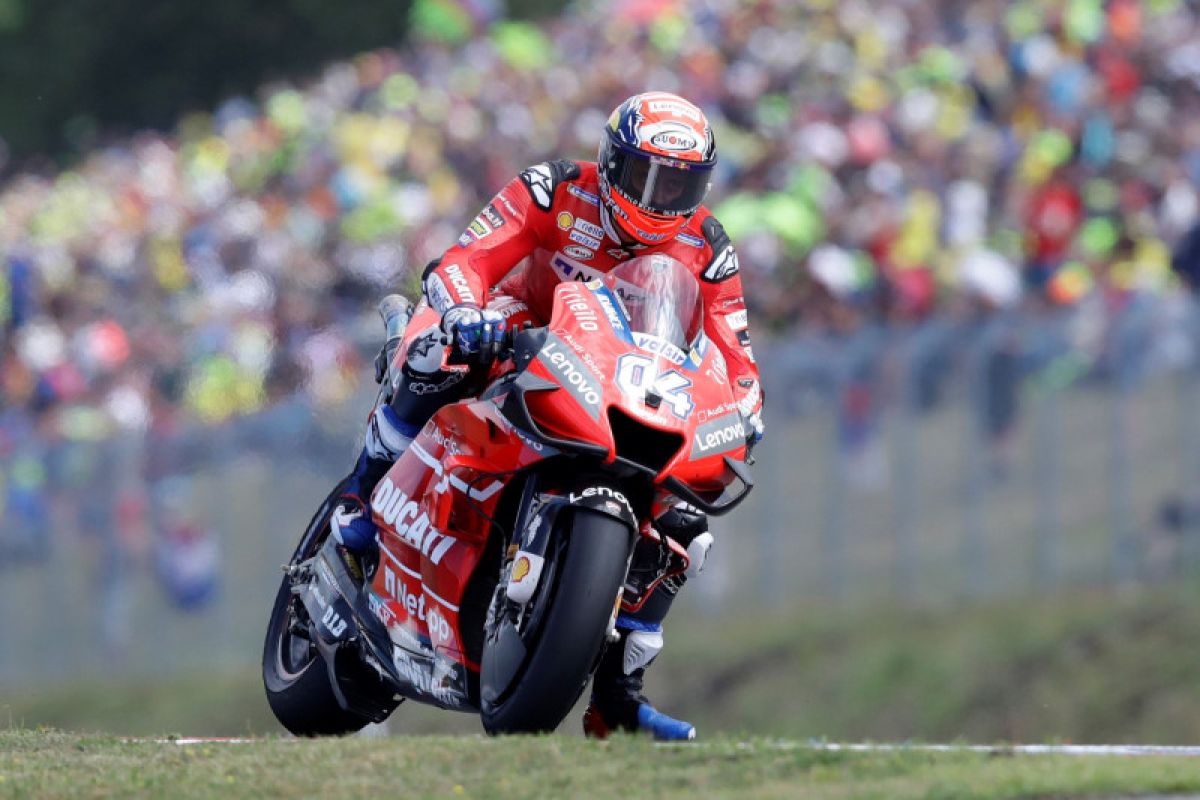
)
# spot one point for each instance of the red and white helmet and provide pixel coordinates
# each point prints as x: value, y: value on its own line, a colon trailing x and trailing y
x: 655, y: 165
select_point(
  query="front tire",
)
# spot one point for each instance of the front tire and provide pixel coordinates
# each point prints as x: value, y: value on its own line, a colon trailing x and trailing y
x: 575, y: 611
x: 294, y: 674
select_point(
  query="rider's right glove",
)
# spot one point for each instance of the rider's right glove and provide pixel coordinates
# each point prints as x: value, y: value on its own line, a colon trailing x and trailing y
x: 474, y: 332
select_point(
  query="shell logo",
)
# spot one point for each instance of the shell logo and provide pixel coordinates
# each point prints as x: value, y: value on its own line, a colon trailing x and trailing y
x: 565, y: 220
x: 520, y: 569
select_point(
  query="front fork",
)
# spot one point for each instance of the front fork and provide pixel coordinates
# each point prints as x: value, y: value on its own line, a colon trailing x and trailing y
x: 656, y: 560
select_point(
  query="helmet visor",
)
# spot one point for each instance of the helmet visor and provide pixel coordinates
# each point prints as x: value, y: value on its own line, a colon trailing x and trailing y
x: 656, y: 184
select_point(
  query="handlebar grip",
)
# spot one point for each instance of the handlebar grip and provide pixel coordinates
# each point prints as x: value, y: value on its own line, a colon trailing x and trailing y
x: 395, y: 309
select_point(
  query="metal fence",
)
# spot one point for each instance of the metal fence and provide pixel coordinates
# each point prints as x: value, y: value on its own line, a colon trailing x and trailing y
x: 958, y: 458
x: 985, y: 455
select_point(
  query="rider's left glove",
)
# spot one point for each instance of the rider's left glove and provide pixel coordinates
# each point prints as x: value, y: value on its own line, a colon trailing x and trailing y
x: 475, y: 332
x: 754, y: 428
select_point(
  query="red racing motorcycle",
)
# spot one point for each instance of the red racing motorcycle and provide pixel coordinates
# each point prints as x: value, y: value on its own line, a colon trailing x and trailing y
x: 516, y: 526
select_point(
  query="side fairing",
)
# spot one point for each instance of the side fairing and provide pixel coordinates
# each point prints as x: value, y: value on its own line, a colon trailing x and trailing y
x: 433, y: 510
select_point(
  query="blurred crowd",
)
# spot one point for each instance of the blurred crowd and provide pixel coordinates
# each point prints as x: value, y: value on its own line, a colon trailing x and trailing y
x: 884, y: 164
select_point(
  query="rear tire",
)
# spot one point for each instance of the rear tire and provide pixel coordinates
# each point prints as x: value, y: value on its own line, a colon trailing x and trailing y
x: 579, y: 605
x: 294, y: 674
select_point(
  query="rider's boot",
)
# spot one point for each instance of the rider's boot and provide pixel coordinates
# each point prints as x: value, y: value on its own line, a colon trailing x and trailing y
x: 351, y: 525
x: 617, y: 701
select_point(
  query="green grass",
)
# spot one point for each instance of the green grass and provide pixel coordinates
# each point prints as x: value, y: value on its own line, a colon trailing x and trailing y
x: 49, y: 764
x: 1089, y: 668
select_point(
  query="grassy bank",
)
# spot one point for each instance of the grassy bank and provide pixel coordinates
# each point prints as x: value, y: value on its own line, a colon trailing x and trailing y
x: 1086, y: 668
x: 52, y: 765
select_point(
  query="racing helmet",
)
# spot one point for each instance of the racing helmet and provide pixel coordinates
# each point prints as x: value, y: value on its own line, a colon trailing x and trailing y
x: 655, y: 165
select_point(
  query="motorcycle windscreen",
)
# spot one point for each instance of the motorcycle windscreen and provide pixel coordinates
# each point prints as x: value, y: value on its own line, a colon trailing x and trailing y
x: 660, y: 297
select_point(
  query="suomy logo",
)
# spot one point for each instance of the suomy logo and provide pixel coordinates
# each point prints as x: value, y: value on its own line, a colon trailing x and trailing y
x: 673, y: 141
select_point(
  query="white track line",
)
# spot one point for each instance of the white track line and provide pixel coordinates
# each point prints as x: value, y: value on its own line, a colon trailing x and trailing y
x: 182, y: 740
x: 1185, y: 751
x: 1027, y: 749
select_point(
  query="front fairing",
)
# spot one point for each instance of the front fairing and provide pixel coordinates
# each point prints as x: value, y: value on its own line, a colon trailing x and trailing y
x: 634, y: 396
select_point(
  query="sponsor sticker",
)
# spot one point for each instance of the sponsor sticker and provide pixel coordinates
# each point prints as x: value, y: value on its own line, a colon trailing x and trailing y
x: 492, y: 216
x: 675, y: 108
x: 570, y: 270
x: 575, y: 251
x: 674, y: 141
x: 689, y: 239
x: 737, y: 321
x: 393, y: 505
x: 574, y: 375
x: 414, y: 605
x: 602, y: 491
x: 565, y: 220
x: 459, y: 281
x: 608, y: 302
x: 527, y: 569
x: 520, y: 569
x: 583, y: 194
x: 659, y: 346
x: 583, y: 239
x: 430, y: 387
x: 650, y: 236
x: 719, y: 435
x: 439, y: 295
x: 486, y: 223
x: 590, y: 228
x: 508, y: 206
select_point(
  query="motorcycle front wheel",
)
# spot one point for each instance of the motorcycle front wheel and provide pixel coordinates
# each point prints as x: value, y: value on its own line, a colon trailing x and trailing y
x: 533, y: 670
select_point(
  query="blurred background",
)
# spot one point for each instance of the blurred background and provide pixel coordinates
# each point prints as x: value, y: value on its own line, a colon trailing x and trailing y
x: 966, y: 237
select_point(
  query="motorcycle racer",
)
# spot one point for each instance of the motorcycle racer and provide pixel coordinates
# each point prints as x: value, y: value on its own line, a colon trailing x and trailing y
x: 568, y: 220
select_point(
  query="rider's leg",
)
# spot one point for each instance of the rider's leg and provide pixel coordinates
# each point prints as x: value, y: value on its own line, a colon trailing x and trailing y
x: 424, y: 385
x: 617, y: 701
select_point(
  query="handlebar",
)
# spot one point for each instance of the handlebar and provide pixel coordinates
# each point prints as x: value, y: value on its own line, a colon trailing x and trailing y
x: 395, y: 309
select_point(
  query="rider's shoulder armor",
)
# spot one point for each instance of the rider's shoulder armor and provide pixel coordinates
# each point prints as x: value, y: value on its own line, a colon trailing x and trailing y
x: 724, y: 262
x: 542, y: 179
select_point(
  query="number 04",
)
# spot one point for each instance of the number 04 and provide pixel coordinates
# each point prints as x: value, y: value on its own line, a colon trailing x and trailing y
x: 636, y: 376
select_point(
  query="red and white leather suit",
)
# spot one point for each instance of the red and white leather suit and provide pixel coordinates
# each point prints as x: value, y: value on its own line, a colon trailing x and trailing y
x: 546, y: 226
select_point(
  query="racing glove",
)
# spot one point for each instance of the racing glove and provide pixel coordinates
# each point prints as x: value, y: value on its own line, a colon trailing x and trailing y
x: 754, y: 428
x: 474, y: 332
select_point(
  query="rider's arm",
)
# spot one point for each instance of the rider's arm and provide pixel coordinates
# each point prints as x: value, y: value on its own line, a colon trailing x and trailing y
x: 506, y: 231
x: 725, y: 317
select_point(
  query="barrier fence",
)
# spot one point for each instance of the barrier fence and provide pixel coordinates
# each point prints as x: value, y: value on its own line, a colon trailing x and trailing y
x: 936, y: 462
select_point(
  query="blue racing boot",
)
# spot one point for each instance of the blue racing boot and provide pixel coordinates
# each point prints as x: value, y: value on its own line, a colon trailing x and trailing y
x: 351, y: 524
x: 617, y: 701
